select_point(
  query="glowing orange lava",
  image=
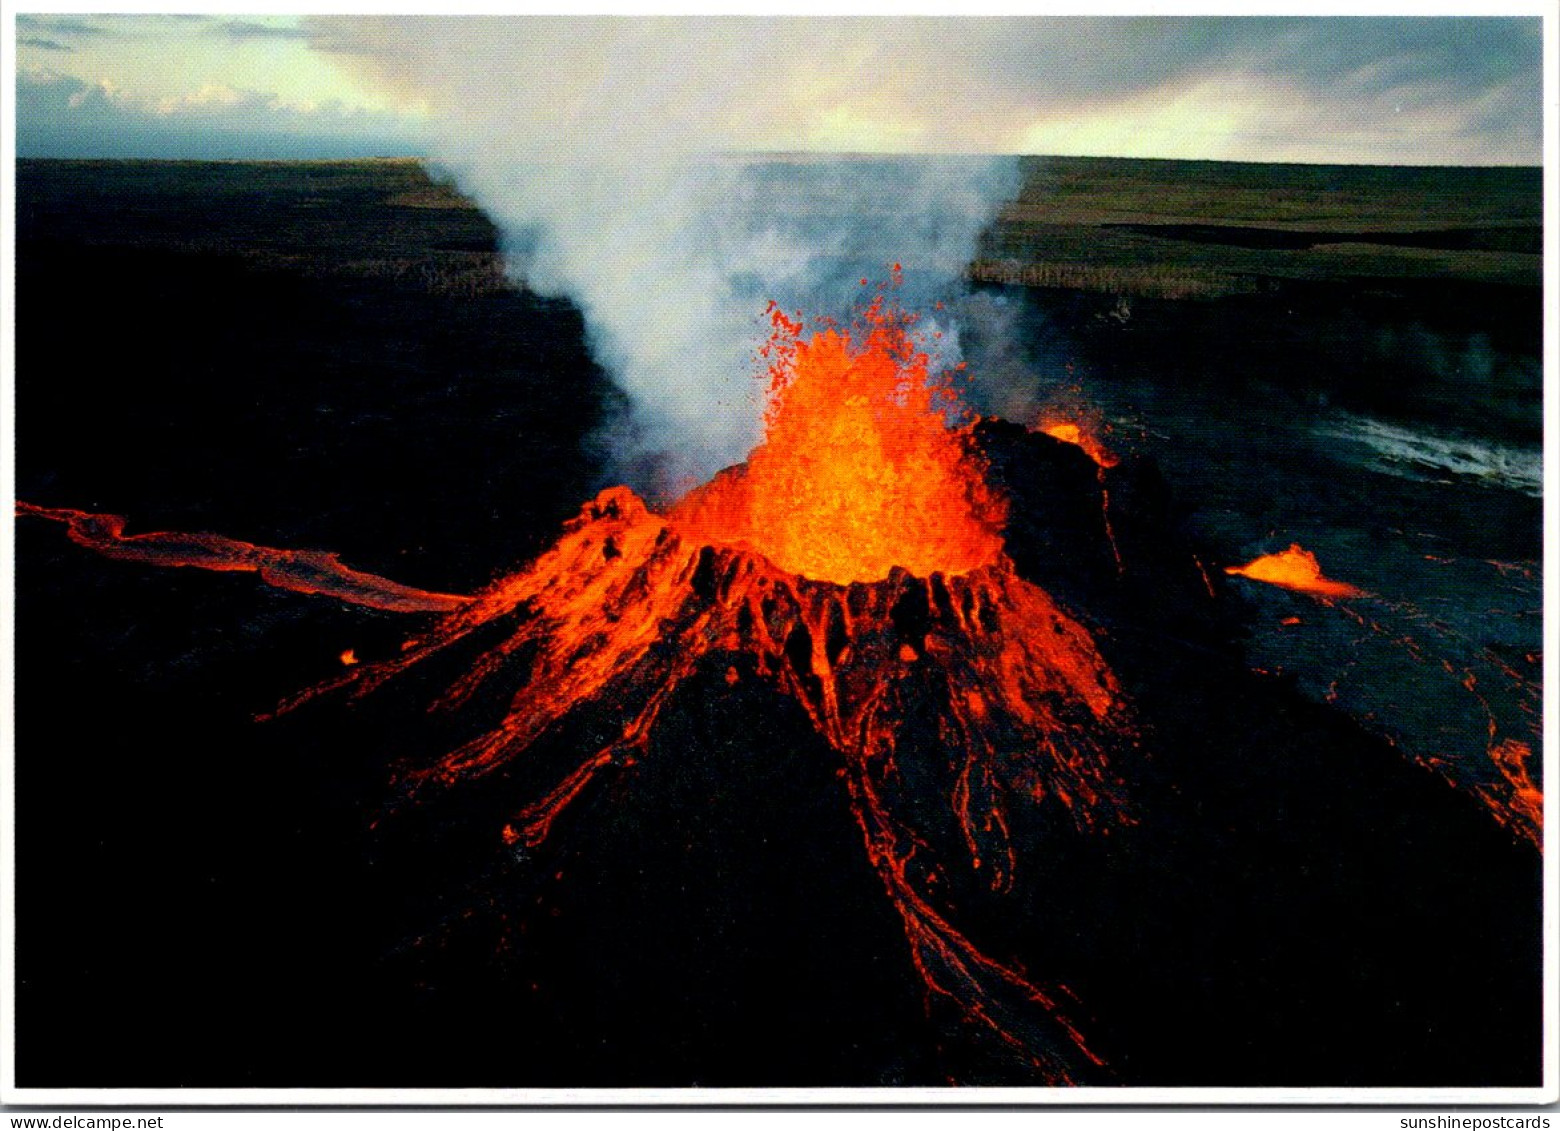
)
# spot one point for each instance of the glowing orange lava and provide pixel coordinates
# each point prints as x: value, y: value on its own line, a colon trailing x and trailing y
x: 858, y: 471
x: 1071, y: 432
x: 1520, y: 805
x: 1082, y: 431
x: 1297, y: 569
x: 855, y: 564
x: 302, y: 571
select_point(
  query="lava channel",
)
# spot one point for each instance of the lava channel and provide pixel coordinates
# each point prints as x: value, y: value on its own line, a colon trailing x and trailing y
x: 303, y: 571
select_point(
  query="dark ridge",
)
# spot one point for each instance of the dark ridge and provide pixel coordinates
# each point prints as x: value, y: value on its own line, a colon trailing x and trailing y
x: 1525, y: 239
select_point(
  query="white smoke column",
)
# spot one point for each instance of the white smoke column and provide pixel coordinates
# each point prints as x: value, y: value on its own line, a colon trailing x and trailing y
x: 638, y: 166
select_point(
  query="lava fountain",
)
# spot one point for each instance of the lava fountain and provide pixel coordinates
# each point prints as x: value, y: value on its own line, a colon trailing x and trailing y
x: 857, y: 473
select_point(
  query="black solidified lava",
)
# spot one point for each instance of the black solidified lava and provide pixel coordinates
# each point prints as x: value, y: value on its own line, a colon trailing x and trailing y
x: 1295, y: 905
x: 204, y: 900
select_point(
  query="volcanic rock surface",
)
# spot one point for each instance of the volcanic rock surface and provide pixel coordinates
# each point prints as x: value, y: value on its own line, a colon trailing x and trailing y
x: 1152, y: 866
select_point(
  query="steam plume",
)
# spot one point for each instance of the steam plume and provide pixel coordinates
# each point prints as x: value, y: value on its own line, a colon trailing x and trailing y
x: 637, y: 166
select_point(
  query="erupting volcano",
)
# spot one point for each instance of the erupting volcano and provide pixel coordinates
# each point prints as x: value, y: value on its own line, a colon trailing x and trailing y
x: 859, y: 565
x: 855, y: 563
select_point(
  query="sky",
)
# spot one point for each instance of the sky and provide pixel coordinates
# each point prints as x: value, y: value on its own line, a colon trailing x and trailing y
x: 1311, y: 89
x: 193, y: 86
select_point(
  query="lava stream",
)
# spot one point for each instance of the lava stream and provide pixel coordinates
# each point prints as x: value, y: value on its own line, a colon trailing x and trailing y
x: 1084, y: 435
x: 1080, y: 435
x: 302, y: 571
x: 1511, y: 796
x: 1520, y: 806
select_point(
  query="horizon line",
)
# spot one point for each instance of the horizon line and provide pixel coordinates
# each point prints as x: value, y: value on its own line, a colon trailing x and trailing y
x: 786, y: 155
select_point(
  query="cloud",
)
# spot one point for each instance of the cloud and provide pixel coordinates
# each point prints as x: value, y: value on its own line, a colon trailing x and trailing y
x: 945, y: 84
x: 42, y: 44
x: 242, y: 31
x: 62, y: 28
x: 219, y: 98
x: 61, y: 115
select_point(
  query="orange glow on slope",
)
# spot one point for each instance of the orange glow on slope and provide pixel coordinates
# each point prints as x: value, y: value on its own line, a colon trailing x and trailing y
x: 1071, y: 432
x: 858, y: 471
x: 1082, y: 432
x: 1297, y: 569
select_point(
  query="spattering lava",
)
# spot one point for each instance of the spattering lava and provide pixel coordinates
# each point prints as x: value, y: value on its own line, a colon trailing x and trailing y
x: 858, y: 472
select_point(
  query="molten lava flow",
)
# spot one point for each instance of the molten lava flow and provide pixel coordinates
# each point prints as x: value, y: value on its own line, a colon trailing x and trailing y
x: 858, y: 471
x: 303, y: 571
x: 1297, y: 569
x: 1501, y: 693
x: 1520, y: 806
